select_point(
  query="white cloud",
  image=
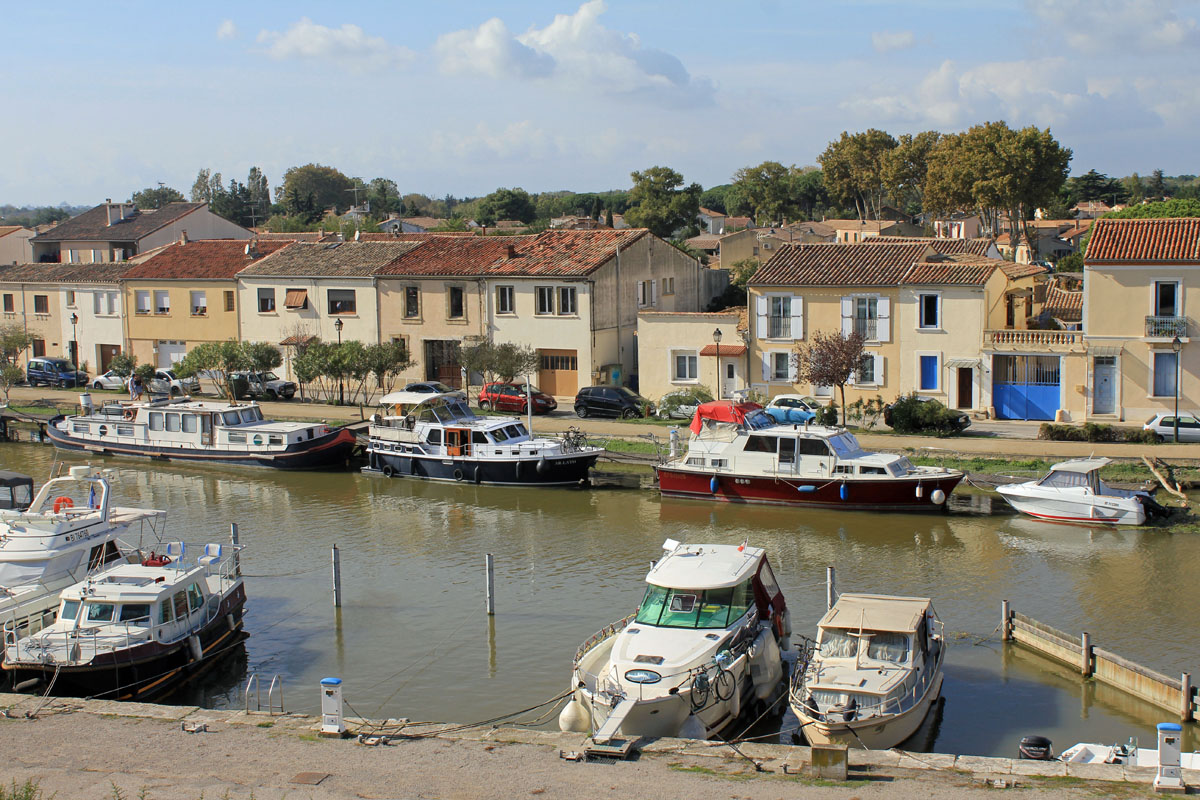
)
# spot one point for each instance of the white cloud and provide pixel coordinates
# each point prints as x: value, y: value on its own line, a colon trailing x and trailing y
x: 889, y: 41
x: 577, y: 50
x: 227, y: 30
x: 1124, y: 26
x: 348, y: 45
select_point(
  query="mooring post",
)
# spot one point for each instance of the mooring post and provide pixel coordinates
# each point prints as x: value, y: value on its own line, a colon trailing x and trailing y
x: 830, y: 588
x: 1185, y: 687
x: 1005, y: 621
x: 337, y: 577
x: 233, y: 540
x: 1085, y: 666
x: 490, y: 584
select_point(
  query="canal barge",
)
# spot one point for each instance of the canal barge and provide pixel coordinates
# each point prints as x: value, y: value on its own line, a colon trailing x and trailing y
x: 70, y: 528
x: 135, y: 631
x: 737, y: 453
x: 703, y: 646
x: 438, y: 437
x: 200, y: 430
x: 1073, y: 492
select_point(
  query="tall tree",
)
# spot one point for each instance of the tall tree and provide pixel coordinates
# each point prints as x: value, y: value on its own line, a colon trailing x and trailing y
x: 384, y: 197
x: 328, y: 187
x: 905, y: 167
x: 765, y: 187
x: 807, y: 190
x: 156, y: 197
x: 506, y: 204
x: 853, y: 169
x: 661, y: 202
x: 202, y: 188
x: 1157, y: 188
x: 260, y: 195
x: 829, y: 358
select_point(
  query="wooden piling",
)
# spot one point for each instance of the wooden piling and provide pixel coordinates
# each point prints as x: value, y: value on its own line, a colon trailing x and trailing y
x: 337, y: 577
x: 830, y: 588
x: 490, y: 584
x: 1185, y: 694
x: 1085, y: 665
x: 235, y: 541
x: 1005, y: 621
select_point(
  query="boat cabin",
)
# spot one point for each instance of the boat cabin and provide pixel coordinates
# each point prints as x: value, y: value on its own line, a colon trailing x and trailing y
x: 1079, y: 473
x: 444, y: 425
x: 16, y: 490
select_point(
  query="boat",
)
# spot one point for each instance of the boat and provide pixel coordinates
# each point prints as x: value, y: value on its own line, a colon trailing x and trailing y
x: 873, y: 673
x: 69, y: 529
x: 16, y: 490
x: 135, y: 631
x: 1129, y: 754
x: 703, y: 646
x: 737, y: 453
x: 1073, y: 492
x: 207, y: 431
x: 438, y: 437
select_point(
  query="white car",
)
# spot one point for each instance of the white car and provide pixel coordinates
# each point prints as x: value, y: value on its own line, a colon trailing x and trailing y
x: 1163, y: 424
x: 109, y: 380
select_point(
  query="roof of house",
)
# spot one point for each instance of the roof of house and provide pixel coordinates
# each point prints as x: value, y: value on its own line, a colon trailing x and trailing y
x: 423, y: 222
x: 954, y: 270
x: 92, y: 225
x: 1175, y: 239
x: 737, y: 222
x: 872, y: 225
x: 203, y: 259
x: 705, y: 241
x: 841, y: 264
x: 107, y: 272
x: 977, y: 247
x: 813, y: 227
x: 5, y: 230
x: 388, y: 236
x: 301, y: 236
x: 1063, y: 304
x: 708, y: 212
x: 330, y: 260
x: 1014, y: 270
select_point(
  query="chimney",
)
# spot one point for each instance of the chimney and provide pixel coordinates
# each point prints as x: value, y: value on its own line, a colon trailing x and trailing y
x: 511, y: 252
x: 183, y: 237
x: 109, y: 208
x: 252, y: 248
x: 357, y: 234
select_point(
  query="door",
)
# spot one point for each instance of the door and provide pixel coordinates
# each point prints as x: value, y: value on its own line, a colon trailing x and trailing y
x: 510, y: 398
x: 441, y: 362
x: 170, y: 353
x: 966, y: 387
x: 107, y: 353
x: 1026, y: 387
x: 730, y: 376
x: 559, y: 373
x: 1104, y: 388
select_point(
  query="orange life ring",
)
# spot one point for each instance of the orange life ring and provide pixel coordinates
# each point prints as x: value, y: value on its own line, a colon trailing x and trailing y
x: 128, y: 415
x: 62, y: 502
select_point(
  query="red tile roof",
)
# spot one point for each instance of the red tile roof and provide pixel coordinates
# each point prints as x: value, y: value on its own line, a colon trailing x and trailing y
x: 975, y: 247
x: 967, y: 270
x: 1145, y: 240
x: 1014, y: 270
x: 839, y: 264
x: 106, y: 272
x: 730, y: 350
x: 5, y: 230
x: 203, y: 259
x: 385, y: 236
x: 93, y: 225
x: 1063, y: 304
x: 330, y: 259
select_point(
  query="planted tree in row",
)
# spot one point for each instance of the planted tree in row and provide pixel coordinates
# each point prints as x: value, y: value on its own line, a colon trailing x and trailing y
x: 14, y: 339
x: 498, y: 362
x: 829, y: 358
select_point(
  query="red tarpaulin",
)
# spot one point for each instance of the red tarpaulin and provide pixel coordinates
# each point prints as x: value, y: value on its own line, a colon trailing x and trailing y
x: 721, y: 411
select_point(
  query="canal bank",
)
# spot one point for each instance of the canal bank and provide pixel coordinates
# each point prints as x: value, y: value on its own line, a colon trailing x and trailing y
x: 93, y: 749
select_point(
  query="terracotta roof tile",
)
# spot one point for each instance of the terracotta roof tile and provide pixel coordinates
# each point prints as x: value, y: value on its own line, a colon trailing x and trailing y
x: 107, y: 272
x: 202, y: 259
x: 977, y: 247
x: 966, y: 270
x: 841, y: 264
x: 1014, y: 270
x: 1145, y: 240
x: 92, y: 225
x: 1063, y: 304
x: 731, y: 350
x: 330, y: 260
x: 5, y: 230
x: 385, y: 236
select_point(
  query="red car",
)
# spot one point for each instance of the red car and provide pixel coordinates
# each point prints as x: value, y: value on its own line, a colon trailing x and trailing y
x: 511, y: 397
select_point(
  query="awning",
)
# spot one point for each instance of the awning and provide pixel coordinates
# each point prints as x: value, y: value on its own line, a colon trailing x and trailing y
x: 297, y: 339
x: 296, y: 298
x: 1103, y: 350
x: 726, y: 350
x: 962, y: 363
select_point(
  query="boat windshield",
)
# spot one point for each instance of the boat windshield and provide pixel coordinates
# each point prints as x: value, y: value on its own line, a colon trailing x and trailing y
x: 846, y: 446
x: 695, y: 608
x: 1067, y: 480
x: 758, y: 419
x: 886, y: 646
x: 448, y: 412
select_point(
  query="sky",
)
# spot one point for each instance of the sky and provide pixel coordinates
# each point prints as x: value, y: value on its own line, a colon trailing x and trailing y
x: 103, y: 99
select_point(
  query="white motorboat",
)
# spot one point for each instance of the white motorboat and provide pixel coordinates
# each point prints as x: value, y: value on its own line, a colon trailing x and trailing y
x: 69, y: 529
x: 1129, y: 754
x: 704, y: 645
x: 1073, y: 492
x: 873, y: 673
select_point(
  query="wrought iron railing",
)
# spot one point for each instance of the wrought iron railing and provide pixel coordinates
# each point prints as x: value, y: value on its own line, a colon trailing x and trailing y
x: 1166, y: 327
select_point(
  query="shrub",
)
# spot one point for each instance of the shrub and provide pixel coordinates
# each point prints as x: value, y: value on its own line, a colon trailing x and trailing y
x: 1094, y: 432
x: 828, y: 415
x: 866, y: 412
x: 912, y: 415
x: 693, y: 395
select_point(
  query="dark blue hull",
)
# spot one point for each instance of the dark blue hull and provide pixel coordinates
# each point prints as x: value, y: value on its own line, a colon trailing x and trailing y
x: 568, y: 469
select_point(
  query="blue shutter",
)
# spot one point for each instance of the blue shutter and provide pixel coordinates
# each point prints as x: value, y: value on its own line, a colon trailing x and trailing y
x: 929, y: 372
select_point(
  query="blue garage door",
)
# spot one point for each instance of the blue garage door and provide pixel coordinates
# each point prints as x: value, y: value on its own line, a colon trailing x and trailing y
x: 1026, y: 387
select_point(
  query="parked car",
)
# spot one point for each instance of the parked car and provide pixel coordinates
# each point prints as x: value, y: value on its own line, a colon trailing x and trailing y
x: 962, y: 421
x: 110, y: 380
x: 261, y: 386
x: 54, y: 372
x: 1163, y: 425
x: 679, y: 404
x: 610, y: 401
x: 434, y: 387
x: 791, y: 408
x: 165, y: 381
x: 511, y: 397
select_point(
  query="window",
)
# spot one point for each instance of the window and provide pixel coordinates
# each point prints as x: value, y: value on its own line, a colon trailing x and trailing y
x: 229, y: 301
x: 341, y: 301
x: 545, y: 300
x: 162, y: 303
x: 1166, y: 299
x: 866, y: 315
x: 505, y: 301
x: 456, y: 308
x: 560, y: 362
x: 1165, y: 370
x: 781, y: 366
x: 927, y: 311
x: 647, y: 293
x: 173, y: 423
x: 97, y: 256
x: 9, y: 304
x: 668, y: 286
x: 412, y: 302
x: 779, y: 323
x: 685, y: 367
x: 199, y: 303
x: 41, y: 304
x: 70, y: 299
x: 266, y: 301
x: 866, y: 369
x: 72, y: 256
x: 39, y: 348
x: 98, y: 303
x: 928, y: 373
x: 118, y: 254
x: 164, y: 612
x: 189, y: 423
x: 156, y: 421
x: 760, y: 444
x: 296, y: 299
x: 566, y: 300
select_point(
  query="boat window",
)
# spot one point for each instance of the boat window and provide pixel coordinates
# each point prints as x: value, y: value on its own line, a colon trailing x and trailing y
x: 100, y: 612
x: 742, y: 597
x: 70, y: 609
x: 692, y: 608
x: 758, y: 419
x: 760, y: 444
x: 872, y: 471
x: 514, y: 431
x: 520, y: 429
x: 500, y: 435
x: 844, y: 469
x: 838, y: 644
x: 901, y: 467
x: 173, y: 424
x: 164, y: 612
x: 131, y: 612
x: 275, y: 439
x: 814, y: 447
x: 181, y: 605
x: 248, y: 415
x: 78, y: 427
x: 124, y: 430
x: 479, y: 437
x: 195, y: 597
x: 156, y: 421
x: 237, y: 438
x: 434, y: 436
x: 787, y: 451
x: 1064, y: 480
x: 766, y: 579
x: 189, y: 423
x: 891, y: 647
x: 845, y: 445
x: 230, y: 417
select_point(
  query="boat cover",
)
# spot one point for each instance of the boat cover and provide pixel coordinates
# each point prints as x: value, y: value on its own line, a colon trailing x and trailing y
x: 722, y: 411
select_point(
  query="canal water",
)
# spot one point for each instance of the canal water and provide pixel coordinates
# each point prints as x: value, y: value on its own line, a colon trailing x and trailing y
x: 413, y: 639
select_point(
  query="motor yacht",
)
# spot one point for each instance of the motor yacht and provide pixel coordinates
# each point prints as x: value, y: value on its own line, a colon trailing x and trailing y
x: 1073, y: 492
x: 872, y: 674
x: 703, y: 646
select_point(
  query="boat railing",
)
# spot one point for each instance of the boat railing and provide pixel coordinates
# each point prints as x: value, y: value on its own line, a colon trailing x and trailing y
x: 79, y: 645
x: 599, y: 636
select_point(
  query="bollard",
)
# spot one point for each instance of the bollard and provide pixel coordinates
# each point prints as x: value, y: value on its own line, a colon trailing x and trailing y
x: 1185, y: 687
x: 332, y: 723
x: 1085, y: 664
x: 674, y: 451
x: 830, y: 588
x: 337, y: 577
x: 829, y: 762
x: 490, y: 584
x: 1005, y: 622
x: 1169, y: 777
x: 234, y: 540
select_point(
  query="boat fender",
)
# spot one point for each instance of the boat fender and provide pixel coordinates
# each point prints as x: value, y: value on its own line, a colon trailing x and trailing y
x: 194, y: 646
x: 806, y: 488
x: 388, y: 471
x: 713, y: 485
x: 938, y: 497
x: 231, y: 622
x: 62, y: 502
x: 543, y: 466
x: 735, y: 703
x: 574, y: 717
x: 478, y: 474
x: 518, y: 469
x: 844, y: 492
x: 920, y: 491
x: 458, y: 474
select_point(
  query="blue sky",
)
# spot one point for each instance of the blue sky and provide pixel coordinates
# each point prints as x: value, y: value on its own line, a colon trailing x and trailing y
x: 104, y: 99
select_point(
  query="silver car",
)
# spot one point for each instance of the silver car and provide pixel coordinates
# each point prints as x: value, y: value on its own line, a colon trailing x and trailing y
x: 1163, y: 424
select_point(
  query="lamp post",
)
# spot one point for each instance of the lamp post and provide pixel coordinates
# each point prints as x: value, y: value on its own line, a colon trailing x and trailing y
x: 341, y: 386
x: 75, y: 349
x: 717, y: 342
x: 1177, y: 345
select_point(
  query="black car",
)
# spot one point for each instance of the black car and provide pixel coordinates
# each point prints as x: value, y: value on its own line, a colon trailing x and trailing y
x: 54, y: 372
x: 611, y: 401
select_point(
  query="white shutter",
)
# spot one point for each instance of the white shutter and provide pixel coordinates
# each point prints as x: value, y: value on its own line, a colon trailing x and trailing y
x: 939, y: 312
x: 847, y: 316
x: 883, y: 325
x: 761, y: 303
x: 797, y: 317
x: 654, y: 293
x: 879, y: 377
x: 793, y: 367
x: 766, y: 366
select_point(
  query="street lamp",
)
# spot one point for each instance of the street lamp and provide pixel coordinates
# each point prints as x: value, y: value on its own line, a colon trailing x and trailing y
x: 717, y: 341
x: 341, y: 387
x: 1177, y: 345
x: 75, y: 349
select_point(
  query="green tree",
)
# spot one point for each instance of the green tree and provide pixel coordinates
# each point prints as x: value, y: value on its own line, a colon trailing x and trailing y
x: 234, y: 204
x: 853, y: 169
x: 326, y: 186
x: 608, y: 217
x: 506, y: 204
x: 766, y: 188
x: 202, y: 187
x: 14, y: 340
x: 216, y: 359
x: 661, y: 202
x: 808, y: 193
x: 260, y: 195
x: 1162, y: 209
x: 123, y: 364
x: 384, y: 196
x: 156, y: 197
x: 906, y: 165
x: 1156, y: 189
x: 1070, y: 263
x: 1133, y: 185
x: 385, y: 361
x: 262, y: 356
x: 829, y: 358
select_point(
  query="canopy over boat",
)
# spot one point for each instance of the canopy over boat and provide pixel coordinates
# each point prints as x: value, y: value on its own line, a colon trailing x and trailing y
x: 414, y: 398
x: 1081, y: 465
x: 722, y: 411
x: 876, y: 612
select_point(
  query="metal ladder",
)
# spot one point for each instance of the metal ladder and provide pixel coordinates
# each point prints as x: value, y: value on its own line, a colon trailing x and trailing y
x: 276, y: 683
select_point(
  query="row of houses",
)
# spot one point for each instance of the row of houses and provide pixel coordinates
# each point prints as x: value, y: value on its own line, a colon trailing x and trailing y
x: 949, y: 319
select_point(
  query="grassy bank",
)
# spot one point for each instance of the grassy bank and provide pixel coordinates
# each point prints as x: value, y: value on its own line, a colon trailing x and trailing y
x: 1121, y: 471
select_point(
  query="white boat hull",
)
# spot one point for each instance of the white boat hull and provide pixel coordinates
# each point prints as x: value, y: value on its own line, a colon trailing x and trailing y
x: 1061, y: 506
x: 874, y: 733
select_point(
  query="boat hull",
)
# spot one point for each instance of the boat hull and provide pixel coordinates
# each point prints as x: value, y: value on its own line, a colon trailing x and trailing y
x: 1090, y: 511
x: 892, y: 494
x: 332, y: 449
x: 875, y: 733
x: 567, y: 469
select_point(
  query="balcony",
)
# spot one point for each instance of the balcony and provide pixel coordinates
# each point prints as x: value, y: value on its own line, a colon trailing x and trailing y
x: 779, y: 327
x: 1166, y: 327
x: 867, y: 328
x: 1033, y: 340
